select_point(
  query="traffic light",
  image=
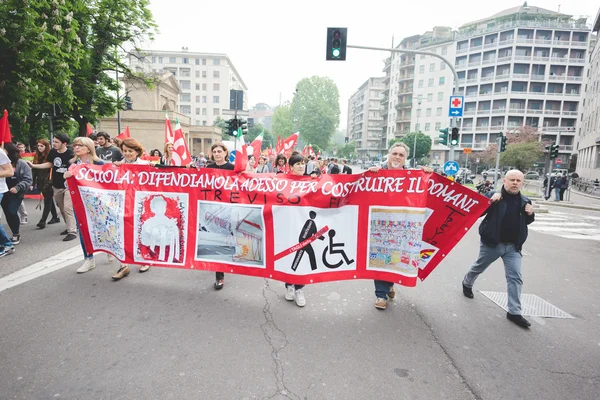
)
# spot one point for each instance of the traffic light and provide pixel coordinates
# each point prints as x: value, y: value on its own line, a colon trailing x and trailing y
x: 232, y: 126
x: 242, y: 124
x: 553, y: 150
x: 336, y: 44
x: 346, y: 139
x: 502, y: 143
x: 443, y: 139
x: 128, y: 103
x: 454, y: 137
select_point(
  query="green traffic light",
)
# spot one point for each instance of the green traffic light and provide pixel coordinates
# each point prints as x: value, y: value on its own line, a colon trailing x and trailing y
x: 454, y: 142
x: 336, y: 53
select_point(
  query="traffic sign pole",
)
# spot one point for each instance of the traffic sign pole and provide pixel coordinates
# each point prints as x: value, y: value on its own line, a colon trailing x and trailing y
x: 498, y: 140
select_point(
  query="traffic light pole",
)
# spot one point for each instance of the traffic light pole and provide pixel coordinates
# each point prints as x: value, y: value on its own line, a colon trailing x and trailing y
x: 499, y: 141
x: 427, y: 53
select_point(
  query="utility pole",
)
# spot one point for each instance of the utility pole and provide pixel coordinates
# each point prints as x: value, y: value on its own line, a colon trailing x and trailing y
x: 419, y: 100
x: 118, y: 107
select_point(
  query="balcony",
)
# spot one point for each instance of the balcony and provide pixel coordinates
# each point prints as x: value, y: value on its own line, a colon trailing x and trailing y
x: 405, y: 78
x: 467, y: 129
x: 504, y: 58
x: 578, y: 44
x: 574, y: 94
x: 476, y: 62
x: 499, y: 111
x: 487, y: 78
x: 574, y: 60
x: 575, y: 113
x: 488, y: 61
x: 516, y: 110
x: 480, y: 145
x: 558, y: 129
x: 503, y: 76
x: 552, y: 112
x: 401, y: 106
x: 565, y: 147
x: 520, y: 76
x: 506, y: 41
x: 461, y: 66
x: 559, y: 59
x: 524, y: 40
x: 522, y: 58
x: 534, y: 111
x: 476, y: 48
x: 461, y: 51
x: 538, y: 77
x: 483, y: 128
x: 469, y: 112
x: 543, y: 41
x: 561, y: 43
x: 575, y: 78
x: 483, y: 112
x: 541, y: 58
x: 472, y: 94
x: 556, y: 77
x: 495, y: 128
x: 472, y: 80
x: 490, y: 45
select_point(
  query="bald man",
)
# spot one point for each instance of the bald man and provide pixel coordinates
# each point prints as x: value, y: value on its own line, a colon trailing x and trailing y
x: 503, y: 233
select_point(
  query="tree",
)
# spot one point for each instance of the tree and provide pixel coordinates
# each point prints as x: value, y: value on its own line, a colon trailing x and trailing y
x: 347, y: 150
x: 521, y: 155
x: 423, y: 144
x: 39, y: 47
x: 316, y: 107
x: 283, y: 124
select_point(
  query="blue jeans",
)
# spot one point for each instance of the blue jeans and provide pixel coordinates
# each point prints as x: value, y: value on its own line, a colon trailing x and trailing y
x: 10, y: 205
x: 4, y: 239
x: 86, y: 255
x: 382, y: 288
x: 557, y: 194
x: 512, y: 270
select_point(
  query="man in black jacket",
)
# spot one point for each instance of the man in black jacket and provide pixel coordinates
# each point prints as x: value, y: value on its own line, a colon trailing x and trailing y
x: 346, y: 169
x: 503, y: 232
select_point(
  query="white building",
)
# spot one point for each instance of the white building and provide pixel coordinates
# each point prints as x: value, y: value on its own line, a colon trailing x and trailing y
x: 588, y: 156
x: 365, y: 120
x: 522, y: 66
x: 205, y: 80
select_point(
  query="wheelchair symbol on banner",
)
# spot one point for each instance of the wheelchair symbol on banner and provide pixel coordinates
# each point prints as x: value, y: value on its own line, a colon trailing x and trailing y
x: 331, y: 250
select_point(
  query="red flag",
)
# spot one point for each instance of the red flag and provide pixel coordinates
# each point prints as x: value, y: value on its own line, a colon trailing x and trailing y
x: 289, y: 144
x: 279, y: 146
x: 270, y: 151
x: 125, y: 134
x: 5, y: 135
x: 319, y: 153
x: 241, y: 160
x: 304, y: 151
x: 169, y: 136
x: 256, y: 145
x: 90, y: 129
x: 311, y: 152
x: 181, y: 154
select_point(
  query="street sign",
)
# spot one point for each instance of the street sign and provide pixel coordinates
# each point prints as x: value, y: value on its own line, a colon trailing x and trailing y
x: 456, y: 106
x: 558, y: 161
x: 467, y: 150
x: 451, y: 167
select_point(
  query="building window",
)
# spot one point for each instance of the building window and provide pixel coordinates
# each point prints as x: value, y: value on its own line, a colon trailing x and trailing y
x: 428, y: 112
x: 204, y: 61
x: 422, y: 69
x: 216, y: 99
x: 438, y: 126
x: 422, y: 56
x: 197, y: 63
x: 204, y: 111
x: 154, y: 60
x: 431, y: 67
x: 172, y: 60
x: 427, y: 127
x: 185, y: 72
x: 160, y: 60
x: 216, y: 61
x: 216, y: 74
x: 417, y: 127
x: 216, y: 86
x: 204, y: 74
x: 185, y: 84
x: 197, y: 122
x: 440, y: 96
x: 444, y: 50
x: 204, y: 86
x: 438, y: 111
x: 204, y: 123
x: 185, y: 109
x: 197, y: 86
x: 185, y: 97
x: 216, y: 111
x: 429, y: 96
x: 197, y: 111
x: 204, y: 99
x: 197, y: 99
x: 430, y: 83
x: 186, y: 60
x: 197, y: 74
x: 421, y: 83
x: 442, y: 80
x: 442, y: 66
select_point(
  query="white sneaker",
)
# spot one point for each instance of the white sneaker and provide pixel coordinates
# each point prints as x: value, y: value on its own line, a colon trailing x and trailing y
x: 110, y: 257
x: 300, y: 299
x: 88, y: 264
x: 23, y: 219
x: 289, y: 293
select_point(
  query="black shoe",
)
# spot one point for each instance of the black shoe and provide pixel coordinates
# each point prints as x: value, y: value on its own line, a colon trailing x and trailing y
x: 64, y: 232
x: 219, y: 284
x: 467, y: 291
x: 518, y: 319
x: 15, y: 239
x: 41, y: 225
x: 54, y: 221
x: 69, y: 237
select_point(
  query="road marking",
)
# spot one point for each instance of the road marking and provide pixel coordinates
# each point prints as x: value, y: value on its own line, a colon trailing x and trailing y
x: 565, y: 225
x: 41, y: 268
x: 563, y: 229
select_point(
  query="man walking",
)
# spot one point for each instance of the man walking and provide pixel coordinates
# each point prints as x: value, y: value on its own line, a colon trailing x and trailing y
x: 106, y: 151
x: 503, y: 232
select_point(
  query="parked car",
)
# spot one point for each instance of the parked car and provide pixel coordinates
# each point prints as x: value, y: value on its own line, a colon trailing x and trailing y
x: 532, y: 175
x: 492, y: 172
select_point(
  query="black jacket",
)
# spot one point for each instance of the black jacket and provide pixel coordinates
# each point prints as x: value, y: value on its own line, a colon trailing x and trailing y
x: 490, y: 227
x: 346, y: 170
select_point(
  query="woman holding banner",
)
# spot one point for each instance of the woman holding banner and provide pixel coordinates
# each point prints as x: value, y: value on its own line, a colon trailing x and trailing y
x: 220, y: 155
x: 42, y: 178
x: 132, y: 152
x: 167, y: 158
x: 85, y: 153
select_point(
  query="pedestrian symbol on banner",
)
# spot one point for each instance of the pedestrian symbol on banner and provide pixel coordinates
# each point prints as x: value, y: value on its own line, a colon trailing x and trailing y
x: 451, y: 168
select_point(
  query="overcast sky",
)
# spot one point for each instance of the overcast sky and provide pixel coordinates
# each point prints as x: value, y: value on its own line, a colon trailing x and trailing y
x: 274, y: 44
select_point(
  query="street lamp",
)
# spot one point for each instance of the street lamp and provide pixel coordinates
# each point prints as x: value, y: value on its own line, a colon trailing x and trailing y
x: 419, y: 100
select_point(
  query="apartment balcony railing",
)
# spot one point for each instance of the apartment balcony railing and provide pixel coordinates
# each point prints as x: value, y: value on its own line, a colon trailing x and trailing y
x: 482, y: 128
x: 577, y: 60
x: 499, y: 111
x: 400, y: 106
x: 516, y: 110
x: 469, y: 112
x: 545, y: 23
x: 540, y: 58
x: 488, y: 61
x: 476, y: 48
x: 461, y: 66
x: 467, y: 129
x: 476, y: 62
x: 570, y: 113
x: 503, y: 76
x: 506, y: 41
x: 479, y: 145
x: 520, y: 76
x: 522, y: 58
x: 543, y: 41
x: 558, y: 129
x: 552, y: 112
x: 577, y: 43
x: 556, y: 77
x: 565, y: 147
x: 561, y: 42
x: 538, y: 77
x: 483, y: 112
x: 571, y: 94
x: 473, y: 94
x: 473, y: 80
x: 559, y: 59
x: 532, y: 111
x: 490, y: 45
x: 575, y: 78
x: 494, y: 128
x: 487, y: 78
x: 462, y: 50
x: 504, y: 58
x: 524, y: 40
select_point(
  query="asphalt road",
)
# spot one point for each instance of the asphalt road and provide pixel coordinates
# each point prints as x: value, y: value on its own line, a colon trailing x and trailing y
x: 167, y: 334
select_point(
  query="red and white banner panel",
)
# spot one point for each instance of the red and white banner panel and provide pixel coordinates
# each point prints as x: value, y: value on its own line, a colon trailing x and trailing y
x: 391, y: 225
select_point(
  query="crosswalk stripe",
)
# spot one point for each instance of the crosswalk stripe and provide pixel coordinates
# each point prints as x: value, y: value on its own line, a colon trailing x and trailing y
x: 566, y: 225
x: 562, y: 229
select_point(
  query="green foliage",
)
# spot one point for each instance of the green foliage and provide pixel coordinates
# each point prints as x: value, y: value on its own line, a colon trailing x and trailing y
x: 317, y: 109
x: 521, y: 155
x: 255, y: 131
x: 348, y: 150
x: 283, y: 124
x: 423, y: 144
x: 221, y: 123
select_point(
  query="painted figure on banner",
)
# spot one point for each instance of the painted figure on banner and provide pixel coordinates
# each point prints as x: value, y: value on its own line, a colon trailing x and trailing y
x: 308, y: 230
x: 331, y: 250
x: 162, y: 221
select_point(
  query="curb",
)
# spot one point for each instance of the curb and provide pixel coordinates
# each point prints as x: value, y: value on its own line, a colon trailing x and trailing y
x: 575, y: 206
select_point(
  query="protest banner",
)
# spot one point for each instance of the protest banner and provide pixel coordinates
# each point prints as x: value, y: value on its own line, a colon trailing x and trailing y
x: 294, y: 229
